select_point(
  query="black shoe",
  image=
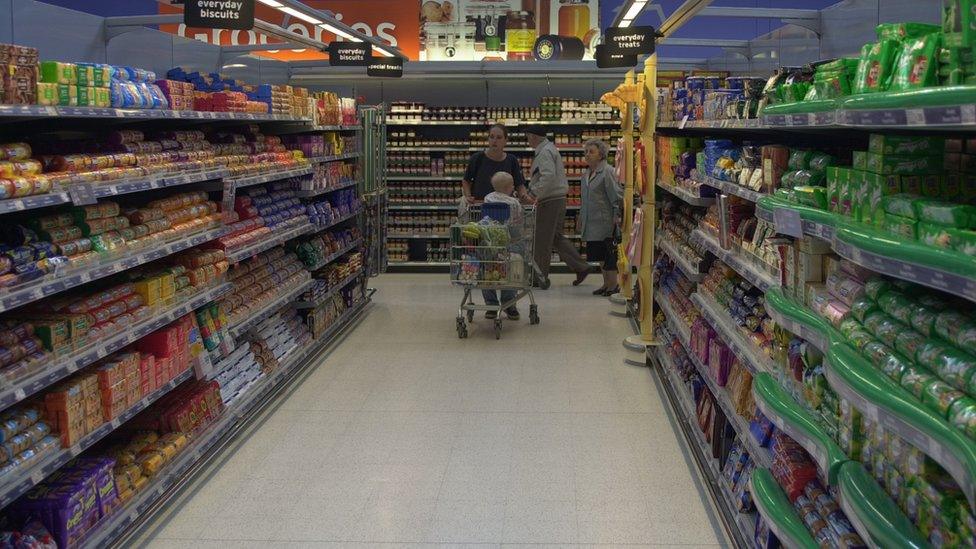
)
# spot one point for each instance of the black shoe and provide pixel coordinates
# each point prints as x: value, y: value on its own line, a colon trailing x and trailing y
x: 491, y: 315
x: 599, y: 291
x: 610, y: 291
x: 580, y: 277
x: 512, y: 313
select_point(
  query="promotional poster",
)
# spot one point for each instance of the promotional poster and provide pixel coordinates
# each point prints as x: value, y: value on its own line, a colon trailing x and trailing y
x: 435, y: 30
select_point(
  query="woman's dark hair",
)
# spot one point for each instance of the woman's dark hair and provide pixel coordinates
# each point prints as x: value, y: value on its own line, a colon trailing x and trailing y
x: 500, y: 127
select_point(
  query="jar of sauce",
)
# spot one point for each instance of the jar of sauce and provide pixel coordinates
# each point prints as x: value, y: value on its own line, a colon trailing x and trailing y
x: 520, y: 35
x: 574, y: 18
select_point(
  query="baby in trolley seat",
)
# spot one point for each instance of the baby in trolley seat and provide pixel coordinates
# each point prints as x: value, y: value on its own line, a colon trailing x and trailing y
x: 504, y: 186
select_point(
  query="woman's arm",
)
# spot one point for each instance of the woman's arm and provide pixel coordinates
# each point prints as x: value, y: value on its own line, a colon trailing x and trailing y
x: 614, y: 192
x: 466, y: 190
x: 470, y: 173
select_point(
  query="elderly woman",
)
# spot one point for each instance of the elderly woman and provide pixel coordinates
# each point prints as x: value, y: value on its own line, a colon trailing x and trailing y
x: 600, y: 213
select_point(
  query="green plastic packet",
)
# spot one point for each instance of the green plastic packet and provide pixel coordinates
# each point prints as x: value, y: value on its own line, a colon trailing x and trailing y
x: 917, y: 64
x: 875, y: 67
x: 901, y: 31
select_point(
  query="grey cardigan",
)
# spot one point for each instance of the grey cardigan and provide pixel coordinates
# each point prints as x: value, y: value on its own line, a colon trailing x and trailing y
x: 602, y: 200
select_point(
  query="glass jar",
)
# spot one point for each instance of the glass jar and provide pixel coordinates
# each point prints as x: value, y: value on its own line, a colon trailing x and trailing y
x: 574, y: 18
x: 520, y: 35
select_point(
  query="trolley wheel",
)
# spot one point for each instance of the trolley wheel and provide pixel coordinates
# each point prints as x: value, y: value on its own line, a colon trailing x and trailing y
x: 498, y: 329
x: 533, y: 314
x: 470, y: 316
x: 545, y: 283
x: 462, y: 328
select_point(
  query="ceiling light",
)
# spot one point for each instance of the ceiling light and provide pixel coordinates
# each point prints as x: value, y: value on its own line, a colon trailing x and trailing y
x: 625, y: 23
x: 634, y: 10
x: 295, y: 13
x: 382, y: 51
x: 339, y: 32
x: 272, y: 3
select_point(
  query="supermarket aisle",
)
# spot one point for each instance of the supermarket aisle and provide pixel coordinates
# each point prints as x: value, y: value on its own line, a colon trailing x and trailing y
x: 406, y: 434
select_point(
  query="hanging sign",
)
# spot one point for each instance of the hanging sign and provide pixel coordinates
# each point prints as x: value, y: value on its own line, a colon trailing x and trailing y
x: 607, y: 60
x: 219, y: 14
x: 630, y: 40
x: 349, y: 54
x: 390, y: 67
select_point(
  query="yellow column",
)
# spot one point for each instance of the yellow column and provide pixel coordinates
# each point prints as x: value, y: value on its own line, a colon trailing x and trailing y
x: 623, y: 264
x: 645, y: 271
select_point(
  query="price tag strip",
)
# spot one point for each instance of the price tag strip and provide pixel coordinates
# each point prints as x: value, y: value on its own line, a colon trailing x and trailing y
x: 729, y: 187
x: 58, y: 282
x: 259, y: 179
x: 687, y: 196
x: 352, y: 245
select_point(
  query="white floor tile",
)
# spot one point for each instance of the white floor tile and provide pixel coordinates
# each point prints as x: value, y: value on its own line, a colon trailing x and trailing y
x: 406, y: 436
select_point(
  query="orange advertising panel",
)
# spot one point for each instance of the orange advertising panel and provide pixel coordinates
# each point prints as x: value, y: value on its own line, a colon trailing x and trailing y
x: 394, y: 22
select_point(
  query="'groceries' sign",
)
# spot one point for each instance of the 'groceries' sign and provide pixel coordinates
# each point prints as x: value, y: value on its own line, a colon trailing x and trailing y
x: 219, y: 14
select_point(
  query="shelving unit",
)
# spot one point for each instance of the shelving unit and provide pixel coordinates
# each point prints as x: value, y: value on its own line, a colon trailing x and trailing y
x: 428, y: 142
x: 218, y: 182
x: 847, y: 373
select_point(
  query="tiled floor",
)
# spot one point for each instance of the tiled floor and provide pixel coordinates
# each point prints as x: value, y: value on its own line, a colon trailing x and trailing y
x: 407, y: 435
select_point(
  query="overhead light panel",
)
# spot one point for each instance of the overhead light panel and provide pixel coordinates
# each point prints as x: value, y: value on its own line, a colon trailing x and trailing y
x: 625, y: 23
x: 304, y: 17
x: 272, y: 3
x: 339, y: 32
x: 634, y: 10
x: 383, y: 51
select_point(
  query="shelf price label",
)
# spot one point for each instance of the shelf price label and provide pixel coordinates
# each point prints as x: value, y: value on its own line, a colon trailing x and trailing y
x: 788, y: 222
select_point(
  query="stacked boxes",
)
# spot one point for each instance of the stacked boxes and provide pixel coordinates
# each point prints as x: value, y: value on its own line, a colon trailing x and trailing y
x: 178, y: 94
x: 957, y: 56
x: 74, y: 84
x: 19, y: 74
x: 73, y: 408
x: 120, y: 383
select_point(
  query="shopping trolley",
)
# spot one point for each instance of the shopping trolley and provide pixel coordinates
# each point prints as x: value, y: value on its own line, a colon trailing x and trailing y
x: 491, y: 249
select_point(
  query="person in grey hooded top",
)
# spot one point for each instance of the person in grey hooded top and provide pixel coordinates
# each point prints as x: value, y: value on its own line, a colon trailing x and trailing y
x: 549, y: 187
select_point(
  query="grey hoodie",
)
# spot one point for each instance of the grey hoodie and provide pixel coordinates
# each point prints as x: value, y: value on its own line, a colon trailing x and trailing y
x: 548, y: 179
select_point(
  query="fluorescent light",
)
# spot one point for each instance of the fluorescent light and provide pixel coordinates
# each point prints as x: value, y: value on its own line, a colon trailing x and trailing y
x: 339, y: 32
x: 295, y: 13
x: 634, y: 10
x: 272, y: 3
x: 625, y: 23
x: 382, y: 51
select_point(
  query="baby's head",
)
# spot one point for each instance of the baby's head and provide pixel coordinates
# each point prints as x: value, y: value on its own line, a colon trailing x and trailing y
x: 503, y: 183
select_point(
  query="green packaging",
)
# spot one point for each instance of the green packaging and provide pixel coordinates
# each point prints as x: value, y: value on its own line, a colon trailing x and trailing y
x: 57, y: 72
x: 860, y: 160
x: 956, y: 328
x: 902, y: 205
x: 815, y: 197
x: 931, y: 185
x: 895, y: 366
x: 911, y: 184
x: 86, y: 96
x: 901, y: 31
x: 875, y: 66
x: 67, y: 95
x: 909, y: 342
x: 897, y: 305
x: 935, y: 235
x: 903, y: 165
x: 904, y: 227
x: 939, y: 396
x: 951, y: 186
x: 960, y: 216
x: 917, y: 63
x: 964, y: 241
x: 914, y: 379
x: 959, y: 24
x: 875, y: 188
x: 962, y: 416
x: 833, y: 182
x: 905, y: 145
